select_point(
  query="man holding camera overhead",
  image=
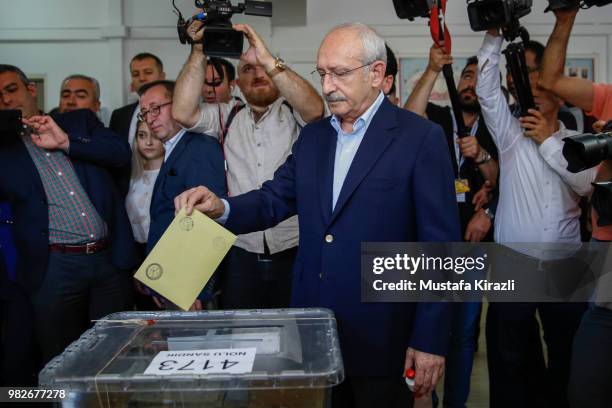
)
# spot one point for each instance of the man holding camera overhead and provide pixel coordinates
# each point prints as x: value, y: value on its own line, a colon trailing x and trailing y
x: 538, y: 203
x: 592, y: 354
x: 256, y: 138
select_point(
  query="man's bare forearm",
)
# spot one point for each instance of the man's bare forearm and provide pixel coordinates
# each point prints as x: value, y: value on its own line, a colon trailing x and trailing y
x: 489, y: 171
x: 188, y: 90
x: 419, y: 98
x: 553, y: 61
x: 300, y: 95
x: 577, y: 91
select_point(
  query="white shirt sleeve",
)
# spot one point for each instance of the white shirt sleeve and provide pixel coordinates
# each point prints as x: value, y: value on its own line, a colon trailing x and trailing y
x: 552, y: 152
x: 212, y: 117
x: 504, y: 128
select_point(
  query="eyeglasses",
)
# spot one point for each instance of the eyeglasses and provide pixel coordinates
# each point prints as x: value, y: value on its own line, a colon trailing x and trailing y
x: 339, y: 76
x: 154, y: 111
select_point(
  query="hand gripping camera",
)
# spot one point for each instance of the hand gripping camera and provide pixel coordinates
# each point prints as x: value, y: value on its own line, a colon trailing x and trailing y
x: 221, y: 40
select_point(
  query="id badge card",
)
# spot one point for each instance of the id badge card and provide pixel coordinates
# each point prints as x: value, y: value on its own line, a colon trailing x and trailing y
x: 462, y: 186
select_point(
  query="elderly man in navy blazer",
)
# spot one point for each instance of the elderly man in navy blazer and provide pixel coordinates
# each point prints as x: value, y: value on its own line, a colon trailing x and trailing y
x: 71, y: 230
x: 369, y: 173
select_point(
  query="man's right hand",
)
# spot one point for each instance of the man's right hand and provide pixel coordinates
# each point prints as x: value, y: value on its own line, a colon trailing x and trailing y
x: 438, y: 58
x: 566, y: 13
x: 202, y: 199
x: 196, y: 33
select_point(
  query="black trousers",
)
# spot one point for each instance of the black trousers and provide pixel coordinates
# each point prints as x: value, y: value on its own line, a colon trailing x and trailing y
x: 254, y: 281
x: 77, y: 289
x: 370, y: 392
x: 510, y: 353
x: 591, y: 375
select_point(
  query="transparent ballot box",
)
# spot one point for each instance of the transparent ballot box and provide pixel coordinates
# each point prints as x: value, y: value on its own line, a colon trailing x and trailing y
x: 287, y: 358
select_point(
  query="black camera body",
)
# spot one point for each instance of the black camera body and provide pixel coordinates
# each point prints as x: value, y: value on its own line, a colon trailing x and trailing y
x: 411, y: 9
x: 588, y: 150
x: 487, y: 14
x: 221, y: 40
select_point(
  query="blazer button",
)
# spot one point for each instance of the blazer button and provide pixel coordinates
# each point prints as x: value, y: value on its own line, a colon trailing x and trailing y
x: 329, y: 238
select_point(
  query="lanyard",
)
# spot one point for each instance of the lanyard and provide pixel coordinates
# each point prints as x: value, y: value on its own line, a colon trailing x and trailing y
x: 458, y: 156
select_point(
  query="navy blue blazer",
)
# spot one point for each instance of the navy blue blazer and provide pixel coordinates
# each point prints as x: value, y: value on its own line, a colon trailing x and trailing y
x: 399, y: 188
x: 197, y: 160
x: 93, y: 148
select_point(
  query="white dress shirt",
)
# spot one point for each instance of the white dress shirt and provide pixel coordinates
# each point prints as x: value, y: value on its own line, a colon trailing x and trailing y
x: 253, y: 151
x: 138, y: 202
x: 538, y: 199
x: 171, y: 143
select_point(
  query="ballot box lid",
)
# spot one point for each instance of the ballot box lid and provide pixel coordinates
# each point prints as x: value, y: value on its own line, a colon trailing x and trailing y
x: 292, y: 348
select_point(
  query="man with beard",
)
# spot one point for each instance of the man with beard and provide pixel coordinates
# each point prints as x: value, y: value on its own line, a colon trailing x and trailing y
x: 256, y: 140
x: 474, y: 158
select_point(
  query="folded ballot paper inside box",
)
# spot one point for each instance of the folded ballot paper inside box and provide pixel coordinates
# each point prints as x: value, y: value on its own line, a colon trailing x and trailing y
x: 233, y: 359
x: 186, y: 256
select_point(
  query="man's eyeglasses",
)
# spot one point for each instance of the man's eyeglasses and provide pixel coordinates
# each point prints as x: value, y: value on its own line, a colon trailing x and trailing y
x: 154, y: 111
x: 335, y: 75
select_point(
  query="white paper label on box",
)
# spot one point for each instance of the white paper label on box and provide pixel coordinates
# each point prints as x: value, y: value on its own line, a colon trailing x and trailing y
x: 202, y: 362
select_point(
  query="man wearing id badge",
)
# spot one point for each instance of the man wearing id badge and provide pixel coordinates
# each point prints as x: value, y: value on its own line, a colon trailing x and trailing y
x: 475, y: 166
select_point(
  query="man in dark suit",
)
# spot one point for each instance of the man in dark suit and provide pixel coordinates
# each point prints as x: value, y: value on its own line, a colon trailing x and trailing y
x: 144, y: 68
x: 191, y: 159
x: 71, y: 231
x: 370, y: 173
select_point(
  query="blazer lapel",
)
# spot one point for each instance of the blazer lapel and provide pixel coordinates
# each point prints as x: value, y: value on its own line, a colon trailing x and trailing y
x: 176, y: 153
x: 23, y: 156
x: 325, y: 170
x: 375, y: 141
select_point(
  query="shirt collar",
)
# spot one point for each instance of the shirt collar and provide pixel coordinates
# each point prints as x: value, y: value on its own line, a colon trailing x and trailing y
x: 364, y: 120
x: 168, y: 144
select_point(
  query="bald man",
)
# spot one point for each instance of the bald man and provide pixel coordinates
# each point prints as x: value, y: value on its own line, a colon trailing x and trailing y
x: 372, y: 172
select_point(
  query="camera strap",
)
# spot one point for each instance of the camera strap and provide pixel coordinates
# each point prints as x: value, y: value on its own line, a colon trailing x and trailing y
x: 437, y: 25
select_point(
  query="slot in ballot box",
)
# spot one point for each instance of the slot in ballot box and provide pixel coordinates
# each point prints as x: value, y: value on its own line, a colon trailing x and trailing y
x: 287, y: 358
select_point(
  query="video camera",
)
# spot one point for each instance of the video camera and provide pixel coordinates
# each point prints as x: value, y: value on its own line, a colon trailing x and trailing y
x: 487, y: 14
x: 221, y: 40
x: 588, y: 150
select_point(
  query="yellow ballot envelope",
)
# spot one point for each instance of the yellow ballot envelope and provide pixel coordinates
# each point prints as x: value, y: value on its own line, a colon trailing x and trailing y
x: 185, y: 258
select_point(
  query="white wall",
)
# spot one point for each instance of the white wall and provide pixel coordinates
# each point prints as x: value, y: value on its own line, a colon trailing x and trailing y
x: 53, y: 39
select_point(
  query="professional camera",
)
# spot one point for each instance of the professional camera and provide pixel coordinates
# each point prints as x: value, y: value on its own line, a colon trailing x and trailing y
x: 411, y: 9
x: 588, y: 150
x: 221, y: 40
x: 487, y: 14
x: 560, y: 4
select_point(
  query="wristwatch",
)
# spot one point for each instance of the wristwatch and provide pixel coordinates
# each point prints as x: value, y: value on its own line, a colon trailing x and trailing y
x: 489, y: 213
x: 279, y: 66
x: 485, y: 159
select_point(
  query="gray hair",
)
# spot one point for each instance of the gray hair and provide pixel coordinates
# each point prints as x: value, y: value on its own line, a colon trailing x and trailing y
x: 373, y: 45
x: 94, y: 81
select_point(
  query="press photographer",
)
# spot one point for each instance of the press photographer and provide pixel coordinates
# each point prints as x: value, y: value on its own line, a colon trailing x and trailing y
x: 256, y: 139
x: 589, y: 383
x: 538, y: 204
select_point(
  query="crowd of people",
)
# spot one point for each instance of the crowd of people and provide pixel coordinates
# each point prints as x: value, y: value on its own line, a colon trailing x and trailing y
x: 81, y: 206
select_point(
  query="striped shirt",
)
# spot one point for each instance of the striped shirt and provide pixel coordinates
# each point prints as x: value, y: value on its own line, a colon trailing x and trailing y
x: 73, y: 219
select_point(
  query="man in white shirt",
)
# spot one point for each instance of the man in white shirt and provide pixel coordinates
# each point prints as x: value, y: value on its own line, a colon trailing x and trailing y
x: 538, y: 203
x: 257, y: 139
